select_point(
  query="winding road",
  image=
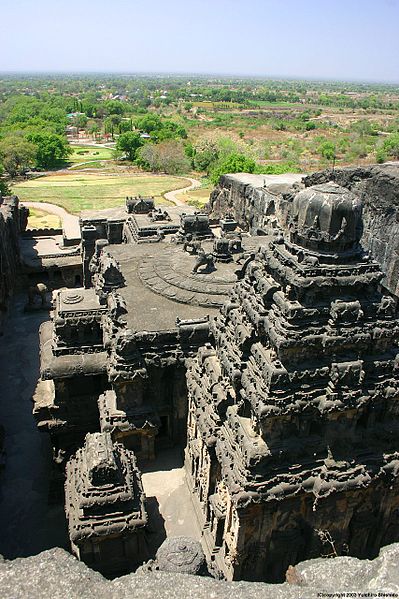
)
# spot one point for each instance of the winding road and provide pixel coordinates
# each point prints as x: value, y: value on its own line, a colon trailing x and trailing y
x: 70, y: 222
x: 172, y: 195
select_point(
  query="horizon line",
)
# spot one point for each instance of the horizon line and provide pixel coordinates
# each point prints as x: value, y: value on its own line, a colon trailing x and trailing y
x: 185, y: 74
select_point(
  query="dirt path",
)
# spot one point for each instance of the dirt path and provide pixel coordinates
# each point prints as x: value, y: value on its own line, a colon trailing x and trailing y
x: 78, y: 164
x: 70, y: 222
x: 172, y: 195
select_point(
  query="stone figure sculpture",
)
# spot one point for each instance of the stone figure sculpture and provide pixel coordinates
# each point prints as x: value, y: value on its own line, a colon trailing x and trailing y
x: 191, y: 244
x: 203, y: 259
x: 38, y: 290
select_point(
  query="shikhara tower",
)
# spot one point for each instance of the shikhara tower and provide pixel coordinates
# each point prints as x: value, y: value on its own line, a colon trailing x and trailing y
x: 293, y: 429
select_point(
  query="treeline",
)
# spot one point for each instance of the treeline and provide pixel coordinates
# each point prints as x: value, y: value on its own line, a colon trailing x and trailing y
x: 32, y: 134
x: 142, y: 91
x: 161, y: 123
x: 168, y: 151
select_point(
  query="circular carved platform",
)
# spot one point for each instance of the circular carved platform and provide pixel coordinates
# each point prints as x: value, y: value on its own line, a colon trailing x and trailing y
x: 72, y: 298
x: 170, y: 275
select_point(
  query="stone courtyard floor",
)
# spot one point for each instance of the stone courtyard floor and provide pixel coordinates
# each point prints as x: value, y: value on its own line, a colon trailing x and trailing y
x: 171, y: 511
x: 28, y: 524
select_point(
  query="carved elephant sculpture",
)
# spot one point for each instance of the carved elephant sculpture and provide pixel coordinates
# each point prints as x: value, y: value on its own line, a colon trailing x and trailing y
x: 193, y: 246
x: 203, y: 259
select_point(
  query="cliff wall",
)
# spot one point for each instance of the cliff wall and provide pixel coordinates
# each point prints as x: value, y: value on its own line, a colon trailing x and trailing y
x: 257, y: 202
x: 13, y: 220
x: 261, y: 203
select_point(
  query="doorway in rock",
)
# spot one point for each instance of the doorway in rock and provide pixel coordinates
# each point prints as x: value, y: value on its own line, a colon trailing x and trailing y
x: 164, y: 437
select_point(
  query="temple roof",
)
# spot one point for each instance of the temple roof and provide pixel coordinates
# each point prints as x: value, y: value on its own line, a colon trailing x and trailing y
x: 103, y: 490
x: 328, y: 214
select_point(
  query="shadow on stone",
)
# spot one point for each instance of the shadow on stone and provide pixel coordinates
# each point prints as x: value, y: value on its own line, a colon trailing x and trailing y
x: 156, y: 533
x: 170, y: 459
x: 28, y: 524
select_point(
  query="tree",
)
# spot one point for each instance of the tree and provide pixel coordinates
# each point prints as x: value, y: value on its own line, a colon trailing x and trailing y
x: 114, y: 107
x: 17, y: 155
x: 149, y: 123
x: 51, y: 149
x: 111, y: 123
x: 234, y: 163
x: 129, y: 143
x: 79, y: 121
x: 167, y: 157
x: 391, y: 145
x: 206, y: 155
x: 160, y: 130
x: 327, y: 150
x: 125, y: 125
x: 4, y: 189
x: 94, y: 129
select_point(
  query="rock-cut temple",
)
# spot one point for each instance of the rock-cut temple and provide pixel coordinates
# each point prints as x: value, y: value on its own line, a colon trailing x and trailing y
x: 292, y: 448
x: 259, y: 337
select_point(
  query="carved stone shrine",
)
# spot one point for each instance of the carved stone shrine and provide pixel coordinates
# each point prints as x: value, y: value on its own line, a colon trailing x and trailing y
x: 293, y: 422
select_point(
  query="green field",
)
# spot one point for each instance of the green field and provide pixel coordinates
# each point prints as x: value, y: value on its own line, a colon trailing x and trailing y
x: 86, y: 191
x: 88, y: 153
x: 38, y: 219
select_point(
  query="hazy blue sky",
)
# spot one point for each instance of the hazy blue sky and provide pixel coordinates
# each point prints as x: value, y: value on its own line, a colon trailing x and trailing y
x: 350, y: 39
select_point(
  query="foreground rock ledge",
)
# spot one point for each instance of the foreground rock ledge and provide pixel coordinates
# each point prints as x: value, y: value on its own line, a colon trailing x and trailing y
x: 58, y: 575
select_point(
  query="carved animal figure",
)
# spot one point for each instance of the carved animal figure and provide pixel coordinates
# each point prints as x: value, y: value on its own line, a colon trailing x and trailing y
x: 235, y: 245
x: 38, y: 290
x: 307, y: 260
x: 189, y: 242
x: 203, y: 259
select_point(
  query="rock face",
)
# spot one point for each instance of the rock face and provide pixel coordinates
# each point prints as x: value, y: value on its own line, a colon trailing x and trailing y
x: 260, y: 203
x: 13, y: 220
x: 55, y: 573
x: 292, y: 446
x: 257, y: 202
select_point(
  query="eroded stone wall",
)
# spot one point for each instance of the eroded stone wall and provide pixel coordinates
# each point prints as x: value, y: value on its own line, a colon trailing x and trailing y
x: 13, y: 220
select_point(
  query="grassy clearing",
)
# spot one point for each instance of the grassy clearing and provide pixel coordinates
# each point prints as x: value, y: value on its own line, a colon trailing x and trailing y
x: 196, y: 197
x: 87, y: 153
x: 87, y: 191
x: 38, y: 219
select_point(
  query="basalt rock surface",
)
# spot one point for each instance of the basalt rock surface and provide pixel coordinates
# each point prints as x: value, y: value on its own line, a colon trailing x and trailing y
x: 257, y: 202
x: 55, y: 573
x: 13, y: 220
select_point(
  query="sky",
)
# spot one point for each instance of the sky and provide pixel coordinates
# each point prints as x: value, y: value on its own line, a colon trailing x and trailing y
x: 334, y: 39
